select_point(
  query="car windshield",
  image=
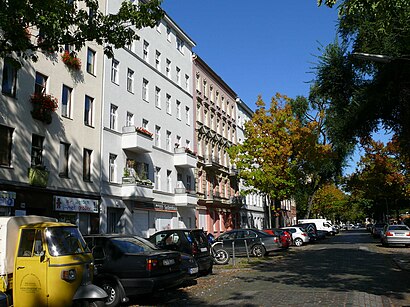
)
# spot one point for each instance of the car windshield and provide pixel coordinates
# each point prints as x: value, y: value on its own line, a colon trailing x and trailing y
x: 62, y: 241
x: 198, y: 236
x: 131, y: 245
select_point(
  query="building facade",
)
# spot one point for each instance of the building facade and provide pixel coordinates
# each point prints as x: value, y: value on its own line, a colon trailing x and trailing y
x: 215, y: 131
x: 148, y: 161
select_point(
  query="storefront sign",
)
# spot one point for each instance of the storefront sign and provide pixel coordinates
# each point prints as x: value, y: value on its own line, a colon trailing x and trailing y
x: 7, y: 198
x: 70, y: 204
x: 168, y: 207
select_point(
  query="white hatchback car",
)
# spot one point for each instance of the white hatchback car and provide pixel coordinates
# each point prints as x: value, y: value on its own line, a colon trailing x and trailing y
x: 299, y: 235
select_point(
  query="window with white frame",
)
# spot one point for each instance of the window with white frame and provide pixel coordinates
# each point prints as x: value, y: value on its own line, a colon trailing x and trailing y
x: 66, y: 101
x: 37, y: 145
x: 145, y: 89
x: 212, y: 122
x: 129, y: 120
x: 189, y: 182
x: 88, y: 110
x: 199, y: 113
x: 9, y: 81
x: 145, y: 123
x: 130, y: 80
x: 178, y: 142
x: 180, y: 45
x: 91, y: 61
x: 168, y: 68
x: 63, y: 160
x: 187, y: 116
x: 168, y: 102
x: 113, y: 117
x: 87, y: 155
x: 200, y: 147
x: 169, y: 141
x: 157, y: 184
x: 158, y: 60
x: 169, y: 181
x: 198, y: 82
x: 187, y: 82
x: 178, y: 75
x: 40, y: 83
x: 211, y: 93
x: 169, y: 33
x: 158, y: 97
x: 6, y: 141
x: 158, y: 136
x: 205, y: 89
x: 145, y: 47
x: 188, y: 144
x: 112, y: 168
x: 178, y: 109
x: 115, y: 66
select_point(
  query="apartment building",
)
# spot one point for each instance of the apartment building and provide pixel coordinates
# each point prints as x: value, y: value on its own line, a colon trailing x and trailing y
x: 50, y: 134
x: 254, y: 211
x: 215, y: 131
x: 148, y: 161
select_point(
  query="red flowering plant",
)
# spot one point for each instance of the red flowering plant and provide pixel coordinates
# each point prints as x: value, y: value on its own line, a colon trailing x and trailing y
x: 144, y: 131
x: 189, y: 151
x: 43, y: 106
x: 71, y: 60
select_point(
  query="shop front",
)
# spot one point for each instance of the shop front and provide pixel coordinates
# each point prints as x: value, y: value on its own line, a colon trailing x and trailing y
x: 7, y: 199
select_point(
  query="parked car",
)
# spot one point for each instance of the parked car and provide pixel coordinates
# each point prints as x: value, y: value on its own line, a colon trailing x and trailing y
x: 189, y: 241
x: 299, y: 235
x: 311, y: 229
x: 377, y: 229
x: 284, y: 237
x: 395, y: 234
x: 189, y: 267
x: 128, y: 265
x: 252, y: 241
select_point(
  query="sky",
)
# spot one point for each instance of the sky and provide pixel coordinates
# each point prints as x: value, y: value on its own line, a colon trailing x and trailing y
x: 260, y: 47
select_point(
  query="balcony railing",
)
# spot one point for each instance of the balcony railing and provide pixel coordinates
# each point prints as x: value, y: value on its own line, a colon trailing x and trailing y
x: 184, y: 157
x: 137, y: 189
x: 136, y: 139
x: 211, y: 161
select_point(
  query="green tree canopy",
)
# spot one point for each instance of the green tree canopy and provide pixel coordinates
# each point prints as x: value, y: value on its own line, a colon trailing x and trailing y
x: 30, y: 26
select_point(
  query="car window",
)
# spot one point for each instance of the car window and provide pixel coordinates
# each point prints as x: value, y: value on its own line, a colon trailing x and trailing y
x: 130, y: 245
x: 398, y: 227
x: 197, y: 235
x: 228, y: 235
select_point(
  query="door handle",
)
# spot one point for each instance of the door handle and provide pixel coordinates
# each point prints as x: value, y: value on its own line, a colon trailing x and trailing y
x: 21, y: 267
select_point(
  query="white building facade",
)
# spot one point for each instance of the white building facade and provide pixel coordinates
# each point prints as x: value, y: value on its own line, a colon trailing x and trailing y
x: 147, y: 156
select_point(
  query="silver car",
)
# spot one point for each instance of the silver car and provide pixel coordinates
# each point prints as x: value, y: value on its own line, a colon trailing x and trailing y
x: 395, y: 234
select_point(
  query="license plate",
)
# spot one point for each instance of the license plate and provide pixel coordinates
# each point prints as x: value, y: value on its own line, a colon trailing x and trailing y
x: 399, y: 234
x: 168, y: 261
x: 193, y: 270
x: 204, y: 249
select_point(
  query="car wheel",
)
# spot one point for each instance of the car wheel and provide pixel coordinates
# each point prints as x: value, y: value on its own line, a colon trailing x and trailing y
x: 221, y: 256
x: 258, y: 250
x: 298, y: 242
x: 113, y: 291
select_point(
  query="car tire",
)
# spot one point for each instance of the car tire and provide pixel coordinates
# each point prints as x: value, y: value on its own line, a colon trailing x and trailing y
x: 258, y: 250
x: 221, y: 257
x: 113, y: 291
x: 298, y: 242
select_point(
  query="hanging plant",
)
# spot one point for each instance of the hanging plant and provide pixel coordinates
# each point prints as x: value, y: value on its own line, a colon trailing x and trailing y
x: 43, y: 106
x: 71, y: 60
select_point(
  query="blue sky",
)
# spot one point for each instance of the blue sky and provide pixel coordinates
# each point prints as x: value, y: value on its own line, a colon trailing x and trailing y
x: 260, y: 47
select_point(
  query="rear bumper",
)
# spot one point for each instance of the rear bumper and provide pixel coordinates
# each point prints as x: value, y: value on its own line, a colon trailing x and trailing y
x: 397, y: 240
x: 204, y: 263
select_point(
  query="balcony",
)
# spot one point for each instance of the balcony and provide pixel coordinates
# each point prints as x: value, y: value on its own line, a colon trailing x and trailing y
x: 211, y: 161
x: 38, y: 177
x: 185, y: 198
x: 184, y: 158
x: 137, y: 190
x: 136, y: 139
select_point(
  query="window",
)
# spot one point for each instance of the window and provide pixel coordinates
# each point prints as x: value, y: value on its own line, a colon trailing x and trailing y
x: 9, y: 81
x: 169, y: 181
x: 178, y: 140
x: 115, y: 66
x: 157, y: 97
x: 158, y: 60
x: 145, y: 124
x: 41, y: 83
x: 178, y: 109
x: 178, y: 73
x: 198, y: 83
x: 66, y: 101
x: 168, y: 102
x: 129, y: 121
x: 87, y: 164
x: 211, y: 93
x: 187, y: 82
x: 88, y: 110
x: 6, y: 138
x: 158, y: 27
x: 168, y: 33
x: 145, y: 90
x: 205, y: 88
x: 188, y: 182
x: 168, y: 68
x: 168, y: 140
x: 188, y: 144
x: 113, y: 117
x: 90, y: 61
x: 187, y: 116
x: 145, y: 47
x: 130, y: 80
x: 37, y: 150
x: 157, y: 136
x: 112, y: 167
x: 198, y: 113
x: 157, y: 185
x: 63, y: 160
x: 180, y: 45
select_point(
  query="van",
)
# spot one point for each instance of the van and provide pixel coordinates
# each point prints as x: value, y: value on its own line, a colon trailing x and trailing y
x: 321, y: 224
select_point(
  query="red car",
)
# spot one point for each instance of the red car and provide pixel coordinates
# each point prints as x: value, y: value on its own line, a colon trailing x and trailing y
x: 284, y: 236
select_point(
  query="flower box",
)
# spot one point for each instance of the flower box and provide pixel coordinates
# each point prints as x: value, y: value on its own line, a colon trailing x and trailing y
x: 43, y: 106
x: 71, y: 61
x: 144, y: 131
x: 38, y: 177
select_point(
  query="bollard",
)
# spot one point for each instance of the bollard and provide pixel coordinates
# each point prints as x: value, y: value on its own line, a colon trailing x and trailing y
x: 233, y: 253
x: 247, y: 251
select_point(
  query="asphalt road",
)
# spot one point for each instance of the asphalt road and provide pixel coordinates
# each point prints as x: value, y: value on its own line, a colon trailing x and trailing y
x: 350, y: 269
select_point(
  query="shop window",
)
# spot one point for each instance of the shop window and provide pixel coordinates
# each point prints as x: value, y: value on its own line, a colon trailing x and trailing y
x: 6, y: 134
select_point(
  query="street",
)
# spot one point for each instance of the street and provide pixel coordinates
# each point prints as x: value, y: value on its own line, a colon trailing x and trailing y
x: 350, y: 269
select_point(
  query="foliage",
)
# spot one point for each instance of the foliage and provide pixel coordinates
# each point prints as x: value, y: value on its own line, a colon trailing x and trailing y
x: 329, y: 201
x: 43, y: 105
x: 71, y: 60
x: 31, y: 26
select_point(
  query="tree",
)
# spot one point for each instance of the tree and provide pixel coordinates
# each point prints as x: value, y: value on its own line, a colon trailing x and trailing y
x: 27, y: 27
x: 365, y: 93
x: 330, y: 201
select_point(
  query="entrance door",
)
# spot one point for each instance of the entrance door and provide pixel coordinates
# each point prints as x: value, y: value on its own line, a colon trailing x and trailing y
x: 30, y: 272
x: 141, y: 223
